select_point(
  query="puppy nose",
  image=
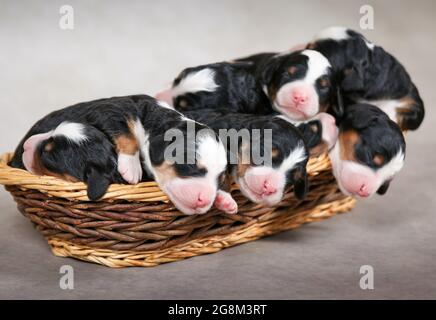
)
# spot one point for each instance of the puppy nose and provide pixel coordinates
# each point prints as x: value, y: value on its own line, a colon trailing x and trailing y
x: 363, y: 192
x: 202, y: 201
x: 268, y: 188
x: 299, y: 97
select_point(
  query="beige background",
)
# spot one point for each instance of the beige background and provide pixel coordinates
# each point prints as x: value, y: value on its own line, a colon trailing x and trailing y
x: 126, y: 47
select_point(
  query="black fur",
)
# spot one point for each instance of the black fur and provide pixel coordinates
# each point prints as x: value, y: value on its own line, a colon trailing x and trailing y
x: 285, y: 138
x: 109, y: 117
x: 372, y: 74
x: 378, y: 135
x: 238, y: 91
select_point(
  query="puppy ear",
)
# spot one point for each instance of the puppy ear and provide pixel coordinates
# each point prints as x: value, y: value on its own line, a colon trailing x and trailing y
x: 269, y: 69
x: 383, y: 188
x: 97, y: 182
x: 337, y: 103
x: 299, y: 177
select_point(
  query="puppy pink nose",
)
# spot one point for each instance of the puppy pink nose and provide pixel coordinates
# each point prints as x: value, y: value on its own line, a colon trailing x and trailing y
x: 268, y: 188
x: 299, y: 97
x: 363, y: 191
x: 202, y: 201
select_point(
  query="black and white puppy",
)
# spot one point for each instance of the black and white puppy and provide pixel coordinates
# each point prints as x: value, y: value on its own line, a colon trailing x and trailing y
x: 367, y: 73
x: 299, y: 84
x: 216, y: 86
x: 137, y: 127
x: 369, y: 152
x: 74, y: 152
x: 262, y: 174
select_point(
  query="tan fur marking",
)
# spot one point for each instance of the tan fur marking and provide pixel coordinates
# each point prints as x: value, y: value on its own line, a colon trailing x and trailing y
x: 348, y: 140
x: 127, y: 143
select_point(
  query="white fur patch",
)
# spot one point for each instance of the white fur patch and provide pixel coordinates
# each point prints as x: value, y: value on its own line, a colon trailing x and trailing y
x: 211, y: 153
x: 391, y: 168
x: 164, y: 104
x: 202, y: 80
x: 334, y: 33
x: 72, y: 131
x: 318, y: 65
x: 297, y: 155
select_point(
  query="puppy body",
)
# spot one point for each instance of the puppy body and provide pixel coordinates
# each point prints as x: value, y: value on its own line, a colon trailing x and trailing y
x: 214, y: 86
x: 261, y: 182
x: 137, y: 127
x: 370, y: 151
x: 367, y: 73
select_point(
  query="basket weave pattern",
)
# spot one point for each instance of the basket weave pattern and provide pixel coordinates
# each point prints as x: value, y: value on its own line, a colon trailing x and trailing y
x: 138, y: 226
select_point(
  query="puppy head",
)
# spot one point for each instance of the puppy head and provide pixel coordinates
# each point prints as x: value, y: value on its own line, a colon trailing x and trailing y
x: 350, y: 54
x: 299, y: 83
x: 266, y: 182
x: 320, y: 133
x: 188, y: 164
x: 369, y: 152
x: 74, y: 152
x: 189, y: 87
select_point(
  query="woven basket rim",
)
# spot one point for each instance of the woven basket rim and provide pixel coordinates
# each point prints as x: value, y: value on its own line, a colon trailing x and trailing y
x: 147, y: 191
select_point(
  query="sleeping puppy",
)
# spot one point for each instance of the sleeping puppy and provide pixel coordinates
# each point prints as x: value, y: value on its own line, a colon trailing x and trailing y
x: 263, y: 172
x: 367, y: 73
x: 215, y: 85
x: 88, y: 156
x: 320, y: 133
x: 369, y: 152
x: 137, y: 126
x: 299, y: 84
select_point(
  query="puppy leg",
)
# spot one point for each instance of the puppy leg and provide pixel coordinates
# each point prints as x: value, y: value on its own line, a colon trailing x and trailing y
x: 129, y: 163
x: 225, y: 202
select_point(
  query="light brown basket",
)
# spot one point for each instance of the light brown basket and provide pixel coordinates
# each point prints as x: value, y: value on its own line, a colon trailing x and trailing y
x: 136, y: 225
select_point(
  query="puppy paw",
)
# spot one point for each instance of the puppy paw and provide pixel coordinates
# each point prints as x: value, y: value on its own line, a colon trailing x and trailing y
x: 129, y: 166
x: 225, y: 202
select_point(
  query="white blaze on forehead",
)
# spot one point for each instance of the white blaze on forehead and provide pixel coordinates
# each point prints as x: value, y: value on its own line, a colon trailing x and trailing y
x: 317, y: 65
x: 71, y: 130
x: 211, y: 153
x: 202, y: 80
x: 334, y: 33
x: 297, y: 155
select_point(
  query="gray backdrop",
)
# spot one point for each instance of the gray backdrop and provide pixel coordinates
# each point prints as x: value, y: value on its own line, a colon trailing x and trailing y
x: 120, y: 48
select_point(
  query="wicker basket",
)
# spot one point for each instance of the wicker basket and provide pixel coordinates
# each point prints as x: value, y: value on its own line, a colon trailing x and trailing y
x: 136, y: 225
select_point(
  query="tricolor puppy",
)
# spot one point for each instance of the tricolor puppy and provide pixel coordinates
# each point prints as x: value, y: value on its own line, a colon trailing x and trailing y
x: 299, y: 84
x: 367, y: 73
x: 214, y: 86
x: 369, y: 152
x: 263, y: 170
x: 137, y: 127
x: 320, y: 132
x: 74, y: 152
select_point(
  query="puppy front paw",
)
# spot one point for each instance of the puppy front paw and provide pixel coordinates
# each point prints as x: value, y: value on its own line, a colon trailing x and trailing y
x: 225, y: 202
x: 129, y: 166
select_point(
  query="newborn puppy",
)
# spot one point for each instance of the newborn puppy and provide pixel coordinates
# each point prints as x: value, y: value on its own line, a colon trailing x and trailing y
x: 320, y: 132
x: 263, y: 172
x: 367, y: 73
x: 87, y: 156
x: 216, y: 85
x: 369, y: 152
x: 138, y: 129
x: 299, y: 84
